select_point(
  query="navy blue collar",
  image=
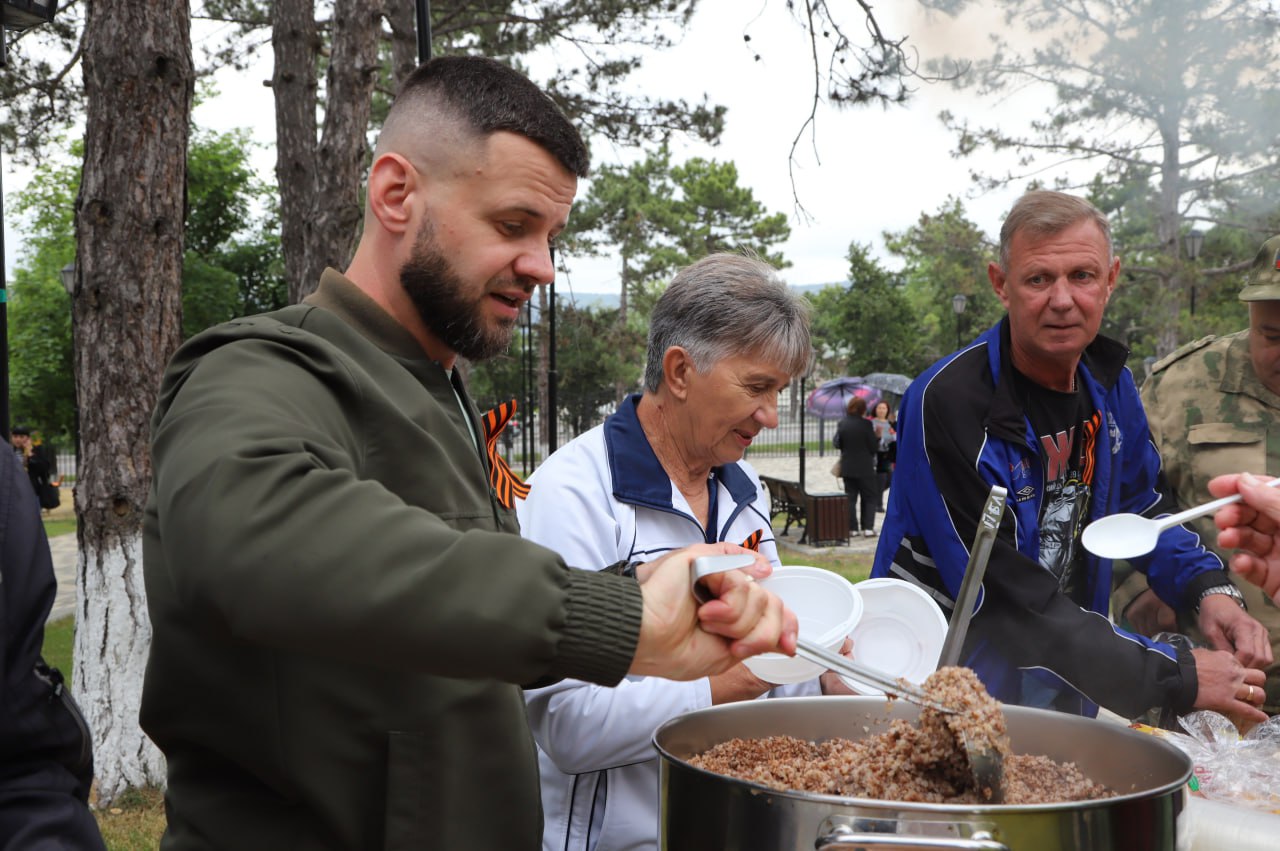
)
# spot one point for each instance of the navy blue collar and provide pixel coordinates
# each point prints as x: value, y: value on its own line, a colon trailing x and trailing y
x: 638, y: 477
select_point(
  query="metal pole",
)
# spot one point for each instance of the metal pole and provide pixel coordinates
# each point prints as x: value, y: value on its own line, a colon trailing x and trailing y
x: 552, y: 376
x: 526, y: 442
x: 4, y: 305
x: 4, y: 296
x: 802, y: 405
x: 424, y: 30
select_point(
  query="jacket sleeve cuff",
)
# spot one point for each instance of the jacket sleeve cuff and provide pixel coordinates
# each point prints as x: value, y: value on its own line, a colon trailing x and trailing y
x: 1184, y: 701
x: 602, y: 627
x: 1201, y: 582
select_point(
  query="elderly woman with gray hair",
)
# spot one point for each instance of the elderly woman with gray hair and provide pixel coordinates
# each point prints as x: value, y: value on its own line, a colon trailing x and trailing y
x: 663, y: 472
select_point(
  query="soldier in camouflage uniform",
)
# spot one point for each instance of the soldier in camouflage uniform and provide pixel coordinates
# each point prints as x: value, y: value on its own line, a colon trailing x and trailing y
x: 1214, y: 408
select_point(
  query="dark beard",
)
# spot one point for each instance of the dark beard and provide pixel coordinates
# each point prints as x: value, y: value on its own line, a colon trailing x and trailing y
x: 437, y: 292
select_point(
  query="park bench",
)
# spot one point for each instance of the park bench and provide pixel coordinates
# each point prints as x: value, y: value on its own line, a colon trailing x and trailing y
x: 785, y: 498
x: 825, y: 516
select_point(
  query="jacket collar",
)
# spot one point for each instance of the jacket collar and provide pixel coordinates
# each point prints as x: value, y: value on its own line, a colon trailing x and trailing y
x: 638, y: 476
x: 1100, y: 367
x: 337, y: 294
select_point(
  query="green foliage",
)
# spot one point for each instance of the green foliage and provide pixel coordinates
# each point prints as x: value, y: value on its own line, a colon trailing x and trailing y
x: 594, y: 355
x: 866, y: 326
x: 222, y: 189
x: 1170, y: 104
x: 209, y: 294
x: 501, y: 379
x: 659, y: 217
x: 231, y: 267
x: 41, y: 391
x: 946, y: 254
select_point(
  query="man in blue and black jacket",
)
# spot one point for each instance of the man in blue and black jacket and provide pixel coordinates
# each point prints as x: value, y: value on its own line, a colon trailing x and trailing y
x: 1043, y: 406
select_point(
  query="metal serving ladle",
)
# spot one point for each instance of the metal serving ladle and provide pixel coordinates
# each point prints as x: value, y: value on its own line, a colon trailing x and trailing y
x: 1132, y: 535
x: 985, y: 761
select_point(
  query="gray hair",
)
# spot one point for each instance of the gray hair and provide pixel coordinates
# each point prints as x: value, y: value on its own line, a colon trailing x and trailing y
x: 725, y: 305
x: 1042, y: 212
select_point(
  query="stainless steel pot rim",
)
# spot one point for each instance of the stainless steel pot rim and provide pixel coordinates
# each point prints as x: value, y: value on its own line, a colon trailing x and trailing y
x: 925, y: 807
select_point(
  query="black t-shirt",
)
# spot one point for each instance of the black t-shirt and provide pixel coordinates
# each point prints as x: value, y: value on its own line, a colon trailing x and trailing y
x: 1066, y: 429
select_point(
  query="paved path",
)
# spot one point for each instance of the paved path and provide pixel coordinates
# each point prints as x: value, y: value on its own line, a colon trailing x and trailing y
x: 65, y: 559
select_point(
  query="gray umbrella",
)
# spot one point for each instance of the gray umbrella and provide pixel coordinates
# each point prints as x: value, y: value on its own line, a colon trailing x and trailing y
x: 890, y: 381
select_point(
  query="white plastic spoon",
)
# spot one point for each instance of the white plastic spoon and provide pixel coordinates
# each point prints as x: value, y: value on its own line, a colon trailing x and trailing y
x: 1132, y: 535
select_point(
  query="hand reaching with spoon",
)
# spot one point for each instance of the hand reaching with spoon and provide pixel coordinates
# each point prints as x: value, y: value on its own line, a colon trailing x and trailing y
x: 1251, y: 526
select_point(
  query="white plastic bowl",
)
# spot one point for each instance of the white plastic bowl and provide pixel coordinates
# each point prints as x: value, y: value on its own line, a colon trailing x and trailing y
x: 900, y: 632
x: 827, y: 607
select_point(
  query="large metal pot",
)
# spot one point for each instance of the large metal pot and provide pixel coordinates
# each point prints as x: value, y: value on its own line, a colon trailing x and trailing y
x: 703, y: 811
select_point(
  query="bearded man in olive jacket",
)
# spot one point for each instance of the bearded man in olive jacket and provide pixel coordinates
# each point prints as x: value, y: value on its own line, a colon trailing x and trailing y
x: 341, y: 610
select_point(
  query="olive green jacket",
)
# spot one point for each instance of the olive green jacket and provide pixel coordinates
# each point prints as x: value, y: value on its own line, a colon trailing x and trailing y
x: 342, y: 614
x: 1210, y: 415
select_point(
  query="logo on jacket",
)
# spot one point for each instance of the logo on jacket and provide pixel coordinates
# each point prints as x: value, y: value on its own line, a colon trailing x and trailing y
x: 1020, y: 474
x: 1113, y: 432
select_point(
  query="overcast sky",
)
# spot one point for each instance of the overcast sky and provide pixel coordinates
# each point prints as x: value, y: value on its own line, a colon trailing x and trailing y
x: 866, y: 171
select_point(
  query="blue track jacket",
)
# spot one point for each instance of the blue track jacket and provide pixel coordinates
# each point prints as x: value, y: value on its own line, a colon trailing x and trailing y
x: 962, y: 430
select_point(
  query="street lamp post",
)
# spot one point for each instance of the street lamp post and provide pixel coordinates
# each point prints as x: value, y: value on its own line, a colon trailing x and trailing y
x: 957, y: 304
x: 1194, y: 241
x: 69, y: 274
x: 14, y: 15
x: 422, y: 8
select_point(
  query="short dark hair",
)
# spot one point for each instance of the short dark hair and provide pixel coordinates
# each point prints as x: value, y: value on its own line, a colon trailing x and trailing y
x: 21, y: 429
x: 856, y: 406
x: 491, y: 97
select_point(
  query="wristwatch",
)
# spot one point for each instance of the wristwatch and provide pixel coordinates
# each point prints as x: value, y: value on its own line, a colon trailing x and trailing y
x: 626, y: 568
x: 1230, y: 590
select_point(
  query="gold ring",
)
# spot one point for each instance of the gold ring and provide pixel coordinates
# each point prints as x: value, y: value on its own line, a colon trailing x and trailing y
x: 1250, y: 698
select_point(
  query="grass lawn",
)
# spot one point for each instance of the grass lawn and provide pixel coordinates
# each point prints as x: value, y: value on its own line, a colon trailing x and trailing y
x: 58, y: 526
x: 58, y: 637
x: 852, y: 566
x: 135, y: 821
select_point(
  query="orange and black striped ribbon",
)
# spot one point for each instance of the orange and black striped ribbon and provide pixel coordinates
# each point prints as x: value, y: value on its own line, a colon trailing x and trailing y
x: 507, y: 485
x: 753, y: 540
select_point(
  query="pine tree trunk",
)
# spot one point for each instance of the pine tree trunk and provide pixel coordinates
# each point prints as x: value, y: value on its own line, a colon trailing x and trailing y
x: 139, y: 80
x: 319, y: 173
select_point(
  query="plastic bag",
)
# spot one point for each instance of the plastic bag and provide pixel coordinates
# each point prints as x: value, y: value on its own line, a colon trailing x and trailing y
x: 1229, y: 767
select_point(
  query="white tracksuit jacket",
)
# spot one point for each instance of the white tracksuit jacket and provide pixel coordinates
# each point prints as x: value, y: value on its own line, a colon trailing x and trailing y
x: 600, y: 499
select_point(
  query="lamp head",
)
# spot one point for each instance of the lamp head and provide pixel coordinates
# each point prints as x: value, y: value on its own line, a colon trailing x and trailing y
x: 21, y: 14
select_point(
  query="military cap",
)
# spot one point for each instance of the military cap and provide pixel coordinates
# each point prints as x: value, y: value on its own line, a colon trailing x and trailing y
x: 1263, y: 283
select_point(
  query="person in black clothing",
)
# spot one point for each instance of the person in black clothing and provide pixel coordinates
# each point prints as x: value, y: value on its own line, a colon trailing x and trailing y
x: 39, y: 465
x: 46, y: 761
x: 856, y: 439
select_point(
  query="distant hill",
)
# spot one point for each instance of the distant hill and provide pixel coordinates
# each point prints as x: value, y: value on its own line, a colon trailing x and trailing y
x: 605, y: 301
